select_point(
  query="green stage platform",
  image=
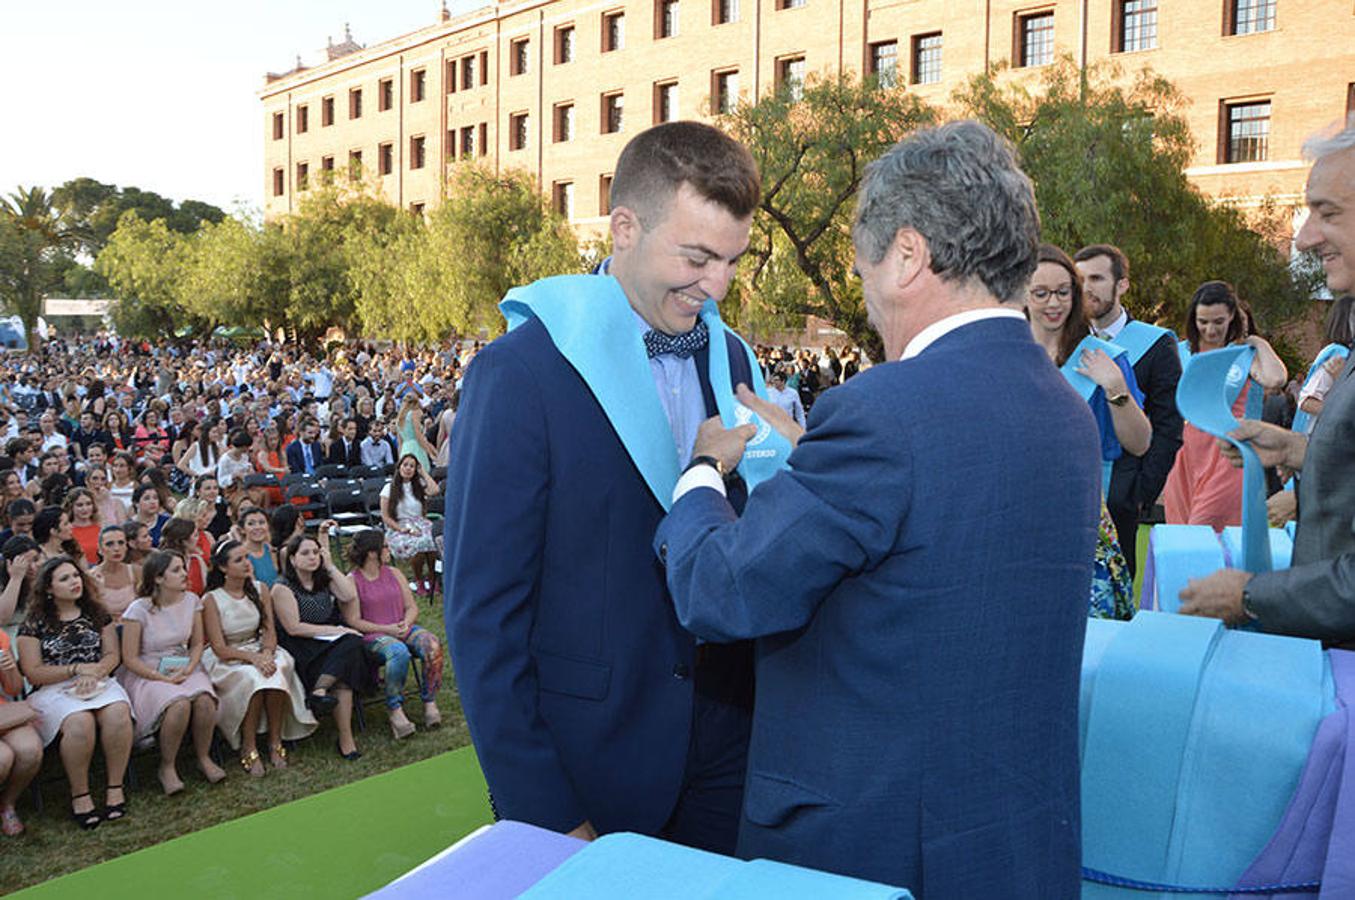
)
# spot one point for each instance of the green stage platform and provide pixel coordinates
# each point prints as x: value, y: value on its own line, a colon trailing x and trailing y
x: 342, y: 843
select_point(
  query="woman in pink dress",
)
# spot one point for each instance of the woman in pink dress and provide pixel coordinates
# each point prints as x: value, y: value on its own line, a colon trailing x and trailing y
x: 162, y: 644
x: 1203, y: 487
x: 117, y: 578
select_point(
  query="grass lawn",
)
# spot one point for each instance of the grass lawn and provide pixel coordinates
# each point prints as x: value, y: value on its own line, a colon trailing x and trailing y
x: 54, y: 845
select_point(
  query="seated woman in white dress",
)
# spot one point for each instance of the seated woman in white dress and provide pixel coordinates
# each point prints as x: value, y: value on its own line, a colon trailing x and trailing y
x: 68, y: 648
x: 255, y: 679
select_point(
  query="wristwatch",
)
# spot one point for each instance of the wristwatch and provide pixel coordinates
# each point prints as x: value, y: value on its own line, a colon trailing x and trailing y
x: 1246, y: 604
x: 705, y: 460
x: 1119, y: 399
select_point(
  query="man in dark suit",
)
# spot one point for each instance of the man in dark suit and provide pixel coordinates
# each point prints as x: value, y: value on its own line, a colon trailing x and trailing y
x: 591, y: 709
x: 306, y: 453
x: 1135, y: 481
x: 1315, y: 597
x: 918, y: 578
x: 346, y: 449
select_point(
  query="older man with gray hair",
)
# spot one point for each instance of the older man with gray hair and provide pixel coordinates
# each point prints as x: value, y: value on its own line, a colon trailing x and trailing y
x: 917, y: 579
x: 1315, y: 597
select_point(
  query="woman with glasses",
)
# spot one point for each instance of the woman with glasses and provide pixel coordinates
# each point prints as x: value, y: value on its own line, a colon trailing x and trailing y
x: 1058, y: 322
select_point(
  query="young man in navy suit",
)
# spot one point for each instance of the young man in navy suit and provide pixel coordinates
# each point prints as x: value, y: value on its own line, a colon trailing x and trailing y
x: 917, y: 580
x: 591, y: 709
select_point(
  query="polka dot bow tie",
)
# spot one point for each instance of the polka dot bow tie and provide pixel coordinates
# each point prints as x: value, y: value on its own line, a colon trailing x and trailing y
x: 680, y: 345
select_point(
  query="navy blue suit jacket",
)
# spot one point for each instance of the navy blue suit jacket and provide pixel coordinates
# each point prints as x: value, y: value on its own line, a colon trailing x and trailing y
x: 296, y: 461
x: 918, y: 580
x: 575, y: 677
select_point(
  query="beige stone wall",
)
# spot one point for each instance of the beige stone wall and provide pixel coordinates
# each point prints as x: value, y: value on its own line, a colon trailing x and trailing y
x: 1305, y: 67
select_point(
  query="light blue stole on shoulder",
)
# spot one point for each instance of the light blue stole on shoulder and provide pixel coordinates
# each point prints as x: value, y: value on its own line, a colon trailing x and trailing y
x: 1301, y: 418
x: 1137, y: 338
x: 591, y: 323
x: 1086, y: 388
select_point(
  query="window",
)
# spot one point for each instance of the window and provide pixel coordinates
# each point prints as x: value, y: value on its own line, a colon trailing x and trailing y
x: 355, y: 163
x: 279, y: 126
x: 303, y: 119
x: 517, y: 57
x: 467, y: 141
x: 451, y: 76
x: 1137, y: 26
x: 418, y: 85
x: 1247, y: 138
x: 724, y: 11
x: 303, y: 171
x: 613, y: 110
x: 790, y: 75
x: 605, y: 195
x: 416, y: 208
x: 564, y: 44
x: 667, y: 24
x: 517, y: 131
x: 279, y: 182
x: 385, y: 94
x: 484, y: 139
x: 563, y: 195
x: 724, y: 91
x: 484, y: 67
x: 355, y: 103
x: 665, y: 102
x: 326, y: 112
x: 1251, y: 16
x: 884, y: 63
x: 385, y: 158
x: 327, y: 163
x: 469, y: 74
x: 416, y: 152
x: 1036, y: 38
x: 790, y: 4
x: 613, y: 31
x: 1350, y: 99
x: 564, y: 122
x: 927, y: 58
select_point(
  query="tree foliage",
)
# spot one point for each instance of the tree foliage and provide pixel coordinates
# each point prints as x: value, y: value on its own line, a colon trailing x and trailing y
x: 36, y: 249
x: 1107, y: 156
x: 812, y: 144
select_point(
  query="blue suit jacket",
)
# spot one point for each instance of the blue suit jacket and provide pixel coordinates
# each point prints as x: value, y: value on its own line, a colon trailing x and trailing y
x: 919, y: 582
x: 296, y: 461
x: 574, y: 674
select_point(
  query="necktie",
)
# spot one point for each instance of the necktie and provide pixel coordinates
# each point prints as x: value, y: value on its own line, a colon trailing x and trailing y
x: 680, y: 345
x: 310, y: 463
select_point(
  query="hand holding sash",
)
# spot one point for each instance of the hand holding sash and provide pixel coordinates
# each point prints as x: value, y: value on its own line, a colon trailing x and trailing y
x: 780, y: 420
x: 724, y: 444
x: 1274, y: 446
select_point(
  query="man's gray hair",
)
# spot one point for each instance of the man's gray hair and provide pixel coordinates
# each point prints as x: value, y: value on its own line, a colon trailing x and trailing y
x: 1321, y: 145
x: 958, y: 185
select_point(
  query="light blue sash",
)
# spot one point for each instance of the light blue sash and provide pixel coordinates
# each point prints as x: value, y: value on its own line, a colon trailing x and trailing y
x: 1086, y: 388
x: 1183, y: 351
x: 1138, y: 337
x: 592, y: 324
x: 1301, y: 418
x: 1193, y: 740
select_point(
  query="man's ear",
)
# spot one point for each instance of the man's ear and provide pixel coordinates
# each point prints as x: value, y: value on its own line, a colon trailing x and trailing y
x: 625, y: 228
x: 911, y: 256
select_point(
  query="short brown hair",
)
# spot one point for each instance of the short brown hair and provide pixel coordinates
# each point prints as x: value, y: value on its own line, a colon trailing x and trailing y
x: 659, y: 159
x: 1119, y: 263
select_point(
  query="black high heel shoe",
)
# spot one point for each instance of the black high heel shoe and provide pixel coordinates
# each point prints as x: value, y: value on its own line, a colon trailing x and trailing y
x: 86, y: 820
x: 351, y: 757
x: 115, y: 811
x: 321, y: 704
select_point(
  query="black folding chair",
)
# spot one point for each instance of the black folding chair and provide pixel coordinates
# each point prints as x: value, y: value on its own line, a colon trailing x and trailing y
x: 331, y: 471
x: 312, y: 497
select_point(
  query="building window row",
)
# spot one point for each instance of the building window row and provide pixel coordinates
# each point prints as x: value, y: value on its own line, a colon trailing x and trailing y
x: 472, y: 69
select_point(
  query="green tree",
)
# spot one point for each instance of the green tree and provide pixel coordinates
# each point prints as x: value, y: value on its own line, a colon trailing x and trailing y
x: 144, y: 264
x: 812, y: 146
x: 35, y: 252
x: 1107, y: 155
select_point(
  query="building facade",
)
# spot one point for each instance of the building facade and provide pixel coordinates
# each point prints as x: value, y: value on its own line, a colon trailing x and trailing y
x: 556, y: 87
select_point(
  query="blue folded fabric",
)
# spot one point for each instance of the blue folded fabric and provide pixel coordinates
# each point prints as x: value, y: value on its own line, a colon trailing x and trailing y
x: 1176, y: 554
x: 634, y: 867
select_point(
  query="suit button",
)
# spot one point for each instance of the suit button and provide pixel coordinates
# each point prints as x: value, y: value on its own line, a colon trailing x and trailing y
x: 663, y: 553
x: 682, y: 671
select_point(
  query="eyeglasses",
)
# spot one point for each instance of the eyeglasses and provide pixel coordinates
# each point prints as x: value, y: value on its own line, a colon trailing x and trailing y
x: 1043, y: 294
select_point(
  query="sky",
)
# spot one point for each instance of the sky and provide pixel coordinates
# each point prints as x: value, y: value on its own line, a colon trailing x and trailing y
x: 163, y: 95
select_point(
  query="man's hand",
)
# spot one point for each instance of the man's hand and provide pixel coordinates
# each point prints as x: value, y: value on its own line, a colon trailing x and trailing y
x: 1334, y: 366
x: 725, y: 444
x: 772, y: 414
x: 584, y: 832
x: 1281, y: 508
x: 1218, y: 596
x: 1275, y: 446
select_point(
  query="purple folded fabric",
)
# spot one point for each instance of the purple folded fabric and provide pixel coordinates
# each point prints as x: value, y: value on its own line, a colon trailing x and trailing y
x: 1316, y: 838
x: 500, y: 863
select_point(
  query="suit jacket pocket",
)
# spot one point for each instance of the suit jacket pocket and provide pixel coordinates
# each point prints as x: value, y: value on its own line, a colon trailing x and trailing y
x: 572, y: 676
x: 771, y: 800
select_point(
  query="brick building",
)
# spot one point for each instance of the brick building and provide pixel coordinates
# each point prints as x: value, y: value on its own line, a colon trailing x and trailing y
x: 556, y: 87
